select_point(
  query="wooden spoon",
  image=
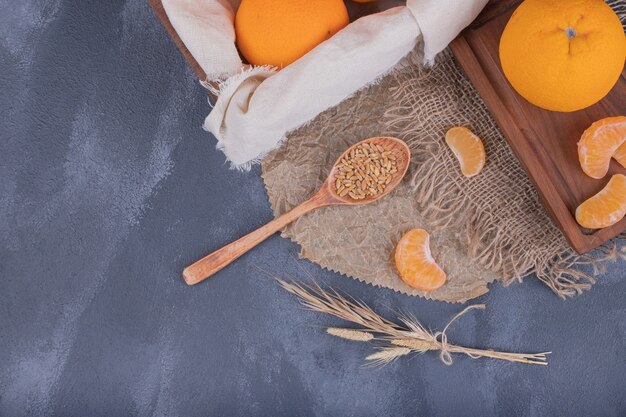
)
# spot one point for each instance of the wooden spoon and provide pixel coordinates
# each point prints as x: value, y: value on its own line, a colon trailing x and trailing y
x: 325, y: 196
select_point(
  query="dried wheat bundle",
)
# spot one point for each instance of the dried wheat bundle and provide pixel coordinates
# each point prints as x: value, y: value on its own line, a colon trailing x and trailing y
x: 396, y: 340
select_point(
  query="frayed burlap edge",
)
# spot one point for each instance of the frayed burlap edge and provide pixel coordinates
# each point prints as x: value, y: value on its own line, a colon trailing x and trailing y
x: 492, y: 240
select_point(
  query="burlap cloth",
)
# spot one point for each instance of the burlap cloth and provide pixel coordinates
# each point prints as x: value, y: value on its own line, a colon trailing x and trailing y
x: 489, y: 227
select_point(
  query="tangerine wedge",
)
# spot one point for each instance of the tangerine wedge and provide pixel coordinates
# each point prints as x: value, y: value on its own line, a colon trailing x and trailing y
x: 415, y: 263
x: 620, y: 155
x: 605, y: 208
x: 468, y: 149
x: 598, y: 144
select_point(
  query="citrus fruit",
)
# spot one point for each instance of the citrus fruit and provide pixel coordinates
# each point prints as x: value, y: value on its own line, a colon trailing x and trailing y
x: 468, y: 149
x: 278, y: 32
x: 415, y: 263
x: 599, y: 143
x: 563, y: 55
x: 605, y: 208
x: 620, y: 155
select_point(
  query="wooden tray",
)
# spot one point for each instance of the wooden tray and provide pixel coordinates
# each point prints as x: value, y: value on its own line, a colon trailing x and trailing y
x: 543, y: 141
x: 157, y: 6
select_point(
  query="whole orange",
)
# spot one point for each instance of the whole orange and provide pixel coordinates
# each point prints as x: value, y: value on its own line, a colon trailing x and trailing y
x: 563, y: 55
x: 278, y: 32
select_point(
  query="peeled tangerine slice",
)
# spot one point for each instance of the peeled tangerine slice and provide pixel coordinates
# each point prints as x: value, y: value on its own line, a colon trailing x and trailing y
x: 599, y: 143
x: 620, y: 155
x: 605, y: 208
x: 468, y: 149
x: 415, y: 263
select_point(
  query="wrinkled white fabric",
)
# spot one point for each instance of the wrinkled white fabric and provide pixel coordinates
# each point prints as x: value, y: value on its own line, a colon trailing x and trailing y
x: 207, y: 28
x: 442, y: 20
x: 257, y: 106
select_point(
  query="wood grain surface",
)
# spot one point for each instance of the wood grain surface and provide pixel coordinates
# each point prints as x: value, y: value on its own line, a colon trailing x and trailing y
x: 543, y: 141
x: 157, y: 6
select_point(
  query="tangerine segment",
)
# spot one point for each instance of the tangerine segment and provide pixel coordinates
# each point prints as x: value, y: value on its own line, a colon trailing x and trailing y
x: 598, y: 144
x: 415, y: 263
x: 605, y: 208
x: 620, y: 155
x: 468, y: 149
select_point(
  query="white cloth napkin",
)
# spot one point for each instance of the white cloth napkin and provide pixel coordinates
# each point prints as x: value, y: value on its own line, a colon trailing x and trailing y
x: 258, y: 106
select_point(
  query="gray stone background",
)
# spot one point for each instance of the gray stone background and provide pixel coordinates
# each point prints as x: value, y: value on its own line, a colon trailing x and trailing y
x: 108, y: 188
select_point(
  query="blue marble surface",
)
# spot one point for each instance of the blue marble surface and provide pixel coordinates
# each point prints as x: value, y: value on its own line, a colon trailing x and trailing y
x: 109, y: 187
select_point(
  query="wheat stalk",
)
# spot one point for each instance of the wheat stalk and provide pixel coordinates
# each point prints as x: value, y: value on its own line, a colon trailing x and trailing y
x: 415, y: 344
x: 398, y: 339
x: 350, y: 334
x: 387, y: 355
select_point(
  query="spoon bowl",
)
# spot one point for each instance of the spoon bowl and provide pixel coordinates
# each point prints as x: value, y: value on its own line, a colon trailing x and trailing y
x: 396, y: 147
x: 326, y: 195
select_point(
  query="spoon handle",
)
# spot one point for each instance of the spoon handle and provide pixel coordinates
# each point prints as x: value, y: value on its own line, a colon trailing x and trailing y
x: 212, y: 263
